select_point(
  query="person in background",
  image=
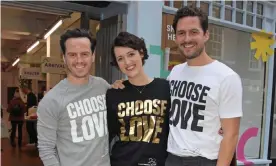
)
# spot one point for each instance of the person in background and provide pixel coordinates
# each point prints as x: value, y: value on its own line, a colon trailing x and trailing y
x: 31, y: 97
x: 31, y: 125
x: 16, y: 108
x: 138, y: 115
x: 41, y: 93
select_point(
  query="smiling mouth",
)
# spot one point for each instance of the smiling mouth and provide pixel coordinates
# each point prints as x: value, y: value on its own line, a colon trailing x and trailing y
x: 80, y: 67
x: 130, y: 68
x: 188, y: 45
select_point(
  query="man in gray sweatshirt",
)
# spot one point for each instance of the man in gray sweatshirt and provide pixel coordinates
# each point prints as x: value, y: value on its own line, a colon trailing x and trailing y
x: 72, y: 126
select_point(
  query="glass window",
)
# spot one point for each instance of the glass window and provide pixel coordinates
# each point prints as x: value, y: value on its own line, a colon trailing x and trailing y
x: 191, y: 3
x: 254, y: 64
x: 214, y: 44
x: 228, y: 14
x: 239, y: 4
x: 259, y: 8
x: 218, y: 2
x: 259, y: 23
x: 167, y: 3
x: 239, y: 17
x: 238, y: 56
x: 204, y: 6
x: 249, y: 20
x: 178, y: 4
x: 249, y: 6
x: 229, y: 3
x: 216, y: 11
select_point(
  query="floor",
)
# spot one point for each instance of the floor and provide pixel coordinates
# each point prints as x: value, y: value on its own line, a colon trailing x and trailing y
x: 26, y: 156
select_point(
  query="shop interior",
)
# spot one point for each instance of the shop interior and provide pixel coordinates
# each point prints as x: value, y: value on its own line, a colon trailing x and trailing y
x: 25, y: 30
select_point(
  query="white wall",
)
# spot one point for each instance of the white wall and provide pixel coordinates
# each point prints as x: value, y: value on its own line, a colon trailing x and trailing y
x: 145, y: 20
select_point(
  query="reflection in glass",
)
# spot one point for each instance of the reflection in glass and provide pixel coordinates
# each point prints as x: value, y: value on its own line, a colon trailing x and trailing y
x: 217, y: 2
x: 229, y: 3
x: 167, y: 3
x: 191, y: 3
x: 249, y: 20
x: 239, y: 4
x: 249, y: 6
x: 178, y: 4
x: 239, y: 17
x: 259, y: 23
x: 216, y: 11
x: 204, y: 6
x: 228, y: 14
x: 259, y: 9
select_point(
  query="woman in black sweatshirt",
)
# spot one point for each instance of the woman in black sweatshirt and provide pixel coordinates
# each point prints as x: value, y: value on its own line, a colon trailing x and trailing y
x: 138, y: 114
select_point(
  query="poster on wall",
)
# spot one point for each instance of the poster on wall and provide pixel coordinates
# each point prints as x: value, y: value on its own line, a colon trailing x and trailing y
x: 52, y: 65
x: 32, y: 73
x: 172, y: 56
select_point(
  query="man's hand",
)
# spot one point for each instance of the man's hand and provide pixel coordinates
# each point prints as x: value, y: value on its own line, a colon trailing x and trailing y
x: 220, y: 132
x: 118, y: 84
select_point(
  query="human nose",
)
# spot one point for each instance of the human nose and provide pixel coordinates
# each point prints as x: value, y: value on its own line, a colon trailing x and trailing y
x: 79, y: 58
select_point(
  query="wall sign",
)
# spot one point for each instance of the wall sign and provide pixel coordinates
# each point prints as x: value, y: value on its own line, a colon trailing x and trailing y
x: 52, y: 65
x: 32, y: 73
x: 172, y: 56
x: 262, y: 44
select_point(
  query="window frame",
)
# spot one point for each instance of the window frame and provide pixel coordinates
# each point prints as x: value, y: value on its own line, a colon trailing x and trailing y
x: 234, y: 10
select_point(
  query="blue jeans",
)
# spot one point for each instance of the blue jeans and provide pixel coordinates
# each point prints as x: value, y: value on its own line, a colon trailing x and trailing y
x: 173, y: 160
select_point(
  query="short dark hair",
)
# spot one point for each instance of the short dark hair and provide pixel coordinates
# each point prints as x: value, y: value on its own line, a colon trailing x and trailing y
x: 191, y: 11
x: 125, y: 39
x: 76, y: 33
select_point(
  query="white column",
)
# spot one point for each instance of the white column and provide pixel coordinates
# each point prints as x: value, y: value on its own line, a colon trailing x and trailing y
x: 144, y: 19
x: 53, y: 50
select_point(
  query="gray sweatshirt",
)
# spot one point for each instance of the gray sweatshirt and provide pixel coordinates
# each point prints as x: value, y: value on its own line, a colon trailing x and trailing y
x: 72, y: 126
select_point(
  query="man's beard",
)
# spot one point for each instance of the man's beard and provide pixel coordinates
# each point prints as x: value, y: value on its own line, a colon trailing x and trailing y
x: 194, y: 55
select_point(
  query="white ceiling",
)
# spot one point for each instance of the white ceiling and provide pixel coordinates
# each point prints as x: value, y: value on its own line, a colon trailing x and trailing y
x: 19, y: 29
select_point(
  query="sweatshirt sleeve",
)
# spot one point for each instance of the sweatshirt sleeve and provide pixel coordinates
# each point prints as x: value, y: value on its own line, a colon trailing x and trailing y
x: 47, y: 124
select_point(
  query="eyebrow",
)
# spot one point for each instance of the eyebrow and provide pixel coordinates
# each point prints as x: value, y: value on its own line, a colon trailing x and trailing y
x: 126, y: 54
x: 194, y: 29
x: 75, y: 52
x: 85, y: 52
x: 130, y: 52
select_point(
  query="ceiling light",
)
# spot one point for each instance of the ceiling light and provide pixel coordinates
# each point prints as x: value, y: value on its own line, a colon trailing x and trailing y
x: 15, y: 62
x: 33, y: 46
x: 53, y: 29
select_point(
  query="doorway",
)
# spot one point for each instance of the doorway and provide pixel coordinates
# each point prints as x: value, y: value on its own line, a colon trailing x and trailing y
x: 108, y: 30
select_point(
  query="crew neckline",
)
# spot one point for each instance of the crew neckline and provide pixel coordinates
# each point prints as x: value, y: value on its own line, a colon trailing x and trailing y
x: 204, y: 66
x: 153, y: 80
x: 68, y: 83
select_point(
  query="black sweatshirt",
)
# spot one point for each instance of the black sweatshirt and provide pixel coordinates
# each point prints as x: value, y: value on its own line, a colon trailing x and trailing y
x: 140, y: 122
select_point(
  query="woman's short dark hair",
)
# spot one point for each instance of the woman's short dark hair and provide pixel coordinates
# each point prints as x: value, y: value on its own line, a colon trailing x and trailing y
x: 125, y: 39
x: 76, y: 33
x: 191, y: 11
